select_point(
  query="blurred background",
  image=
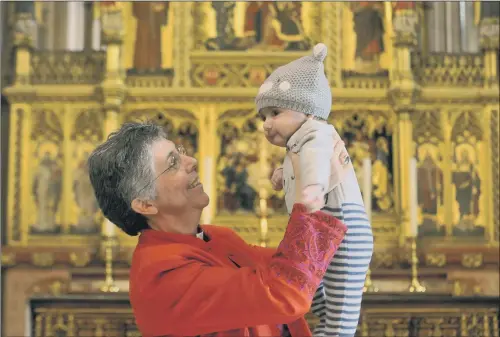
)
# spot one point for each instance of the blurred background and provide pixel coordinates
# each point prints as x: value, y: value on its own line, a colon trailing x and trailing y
x: 415, y: 97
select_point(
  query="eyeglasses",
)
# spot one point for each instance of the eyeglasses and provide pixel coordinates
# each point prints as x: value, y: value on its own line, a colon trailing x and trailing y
x: 174, y: 160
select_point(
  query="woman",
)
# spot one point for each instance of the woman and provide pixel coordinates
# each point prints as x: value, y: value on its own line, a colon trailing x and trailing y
x: 192, y: 280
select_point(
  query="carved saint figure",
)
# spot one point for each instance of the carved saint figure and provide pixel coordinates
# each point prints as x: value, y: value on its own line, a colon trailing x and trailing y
x: 358, y: 150
x: 187, y: 136
x: 430, y: 194
x: 47, y: 191
x: 236, y: 172
x: 467, y: 190
x: 85, y: 199
x: 381, y: 177
x: 239, y: 194
x: 369, y: 29
x: 228, y: 134
x: 151, y: 17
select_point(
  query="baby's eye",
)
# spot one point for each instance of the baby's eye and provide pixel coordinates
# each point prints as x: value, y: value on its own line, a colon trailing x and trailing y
x: 275, y: 113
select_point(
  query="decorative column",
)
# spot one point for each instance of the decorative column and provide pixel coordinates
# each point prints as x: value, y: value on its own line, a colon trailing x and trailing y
x: 113, y: 92
x: 489, y: 28
x: 19, y: 95
x: 403, y: 93
x: 182, y: 42
x: 208, y: 157
x: 113, y: 86
x: 24, y: 40
x: 489, y: 35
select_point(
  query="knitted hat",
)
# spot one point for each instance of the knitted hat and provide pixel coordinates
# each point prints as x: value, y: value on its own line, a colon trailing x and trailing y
x: 300, y: 85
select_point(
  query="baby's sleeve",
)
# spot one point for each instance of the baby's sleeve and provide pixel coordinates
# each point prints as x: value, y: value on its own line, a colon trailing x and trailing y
x: 316, y: 152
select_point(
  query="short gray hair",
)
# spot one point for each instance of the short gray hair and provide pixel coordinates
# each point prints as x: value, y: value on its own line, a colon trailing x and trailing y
x: 122, y: 169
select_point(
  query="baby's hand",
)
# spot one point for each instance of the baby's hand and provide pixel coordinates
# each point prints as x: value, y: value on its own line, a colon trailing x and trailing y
x: 277, y: 179
x: 313, y: 197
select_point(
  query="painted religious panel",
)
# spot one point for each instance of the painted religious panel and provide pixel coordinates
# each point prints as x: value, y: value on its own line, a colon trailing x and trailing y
x: 365, y: 40
x: 238, y: 168
x: 467, y: 185
x: 428, y: 138
x: 181, y: 126
x: 87, y: 133
x: 258, y: 25
x: 47, y: 179
x: 148, y: 38
x: 369, y: 135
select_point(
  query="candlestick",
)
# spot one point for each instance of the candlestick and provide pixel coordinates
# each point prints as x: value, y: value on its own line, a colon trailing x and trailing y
x: 263, y: 193
x: 369, y: 287
x: 108, y: 228
x: 367, y: 200
x: 415, y: 285
x: 413, y: 200
x: 109, y: 243
x: 367, y: 187
x: 207, y: 186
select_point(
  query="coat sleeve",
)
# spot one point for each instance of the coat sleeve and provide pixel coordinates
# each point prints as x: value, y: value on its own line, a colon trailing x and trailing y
x: 264, y: 253
x: 316, y: 153
x: 318, y: 305
x: 197, y: 299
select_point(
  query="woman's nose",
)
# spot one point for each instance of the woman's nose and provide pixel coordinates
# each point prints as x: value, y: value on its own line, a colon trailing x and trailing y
x: 191, y: 163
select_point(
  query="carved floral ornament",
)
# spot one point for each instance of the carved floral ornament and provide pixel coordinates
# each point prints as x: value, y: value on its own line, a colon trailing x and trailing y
x: 489, y: 32
x: 405, y: 22
x: 112, y: 25
x: 24, y: 30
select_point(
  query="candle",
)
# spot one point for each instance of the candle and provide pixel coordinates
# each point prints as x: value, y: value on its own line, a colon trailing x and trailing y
x: 367, y: 187
x: 109, y: 228
x: 413, y: 197
x: 207, y: 186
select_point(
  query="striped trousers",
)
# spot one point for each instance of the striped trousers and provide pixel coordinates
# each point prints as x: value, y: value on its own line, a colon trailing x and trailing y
x: 337, y: 301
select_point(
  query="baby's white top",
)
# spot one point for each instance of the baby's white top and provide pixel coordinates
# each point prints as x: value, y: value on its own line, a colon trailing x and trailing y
x: 314, y: 142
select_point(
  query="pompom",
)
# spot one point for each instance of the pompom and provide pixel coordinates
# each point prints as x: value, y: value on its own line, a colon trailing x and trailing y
x: 320, y: 51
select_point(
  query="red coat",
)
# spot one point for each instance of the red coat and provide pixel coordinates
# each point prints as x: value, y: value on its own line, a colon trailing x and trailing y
x: 181, y: 285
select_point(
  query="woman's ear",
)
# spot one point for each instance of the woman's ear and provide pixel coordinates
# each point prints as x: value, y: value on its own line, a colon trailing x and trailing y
x: 143, y: 207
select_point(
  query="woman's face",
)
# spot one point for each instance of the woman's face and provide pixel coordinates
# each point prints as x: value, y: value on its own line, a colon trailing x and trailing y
x: 178, y: 187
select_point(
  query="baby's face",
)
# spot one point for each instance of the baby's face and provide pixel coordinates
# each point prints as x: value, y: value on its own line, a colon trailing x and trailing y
x: 280, y: 124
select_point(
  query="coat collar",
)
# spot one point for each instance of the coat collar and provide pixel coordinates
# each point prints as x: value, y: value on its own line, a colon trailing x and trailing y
x: 154, y: 236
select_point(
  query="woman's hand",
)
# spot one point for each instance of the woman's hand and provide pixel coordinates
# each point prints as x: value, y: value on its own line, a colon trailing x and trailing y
x: 277, y: 179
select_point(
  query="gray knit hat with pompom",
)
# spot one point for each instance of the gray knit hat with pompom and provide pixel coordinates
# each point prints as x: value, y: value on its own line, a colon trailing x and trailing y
x: 300, y: 85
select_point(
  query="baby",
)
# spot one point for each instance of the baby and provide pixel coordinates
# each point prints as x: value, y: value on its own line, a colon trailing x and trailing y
x: 295, y: 102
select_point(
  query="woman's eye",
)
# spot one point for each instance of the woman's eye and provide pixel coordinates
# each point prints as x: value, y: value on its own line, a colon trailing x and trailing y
x: 173, y: 162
